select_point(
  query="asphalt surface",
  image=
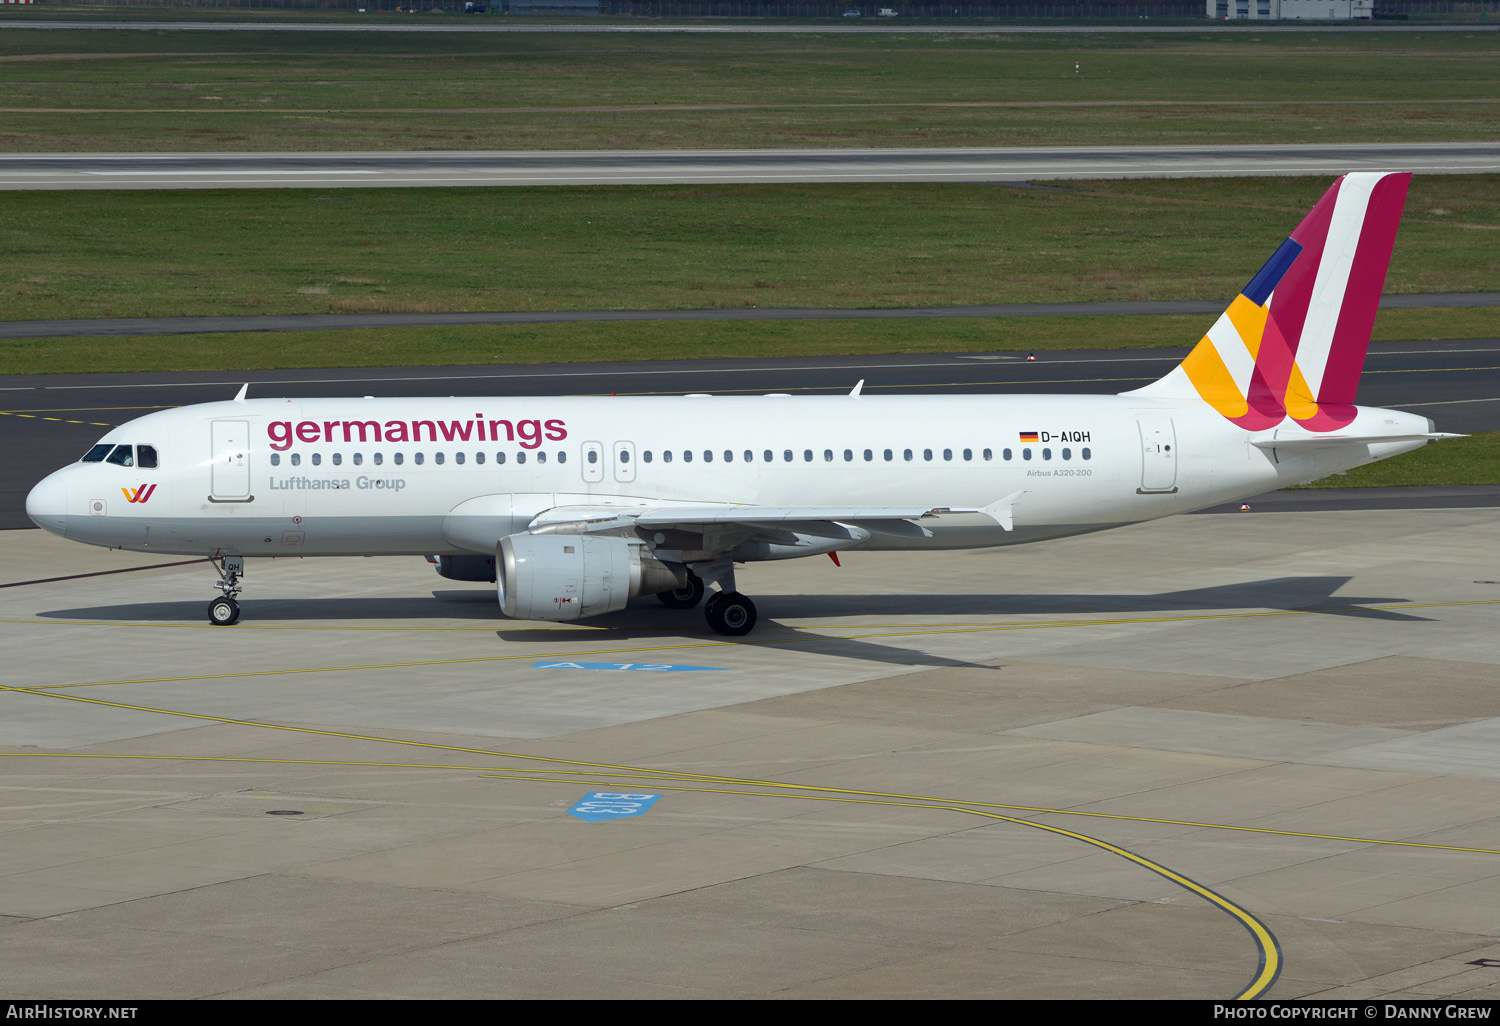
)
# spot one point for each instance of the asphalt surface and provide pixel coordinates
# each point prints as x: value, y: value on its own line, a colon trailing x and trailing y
x: 926, y: 775
x: 49, y: 420
x: 644, y: 167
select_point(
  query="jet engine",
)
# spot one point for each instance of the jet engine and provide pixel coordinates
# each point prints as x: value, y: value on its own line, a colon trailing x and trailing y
x: 572, y: 576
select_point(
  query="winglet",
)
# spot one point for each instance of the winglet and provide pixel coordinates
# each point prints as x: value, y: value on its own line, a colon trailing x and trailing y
x: 240, y: 395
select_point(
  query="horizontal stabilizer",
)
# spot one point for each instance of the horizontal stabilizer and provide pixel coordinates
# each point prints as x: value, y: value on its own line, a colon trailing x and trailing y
x: 1325, y: 441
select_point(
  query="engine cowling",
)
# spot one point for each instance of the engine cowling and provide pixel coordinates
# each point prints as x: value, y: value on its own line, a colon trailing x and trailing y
x: 572, y: 576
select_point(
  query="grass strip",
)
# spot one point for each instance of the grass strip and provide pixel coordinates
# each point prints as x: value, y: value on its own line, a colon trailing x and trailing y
x: 199, y: 252
x: 285, y: 90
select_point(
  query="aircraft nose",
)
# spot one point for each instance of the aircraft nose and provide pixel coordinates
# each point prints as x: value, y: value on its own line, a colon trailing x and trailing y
x: 47, y: 504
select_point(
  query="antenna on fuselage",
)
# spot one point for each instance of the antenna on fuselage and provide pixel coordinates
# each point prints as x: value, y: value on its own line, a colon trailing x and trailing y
x: 240, y: 395
x: 856, y: 389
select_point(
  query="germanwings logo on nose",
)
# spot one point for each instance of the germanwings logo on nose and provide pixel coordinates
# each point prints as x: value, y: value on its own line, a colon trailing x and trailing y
x: 140, y: 494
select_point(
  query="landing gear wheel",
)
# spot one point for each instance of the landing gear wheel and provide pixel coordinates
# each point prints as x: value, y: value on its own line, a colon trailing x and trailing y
x: 223, y: 611
x: 731, y: 614
x: 686, y: 597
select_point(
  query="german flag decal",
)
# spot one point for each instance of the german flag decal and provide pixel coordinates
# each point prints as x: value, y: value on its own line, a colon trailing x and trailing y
x: 1030, y: 436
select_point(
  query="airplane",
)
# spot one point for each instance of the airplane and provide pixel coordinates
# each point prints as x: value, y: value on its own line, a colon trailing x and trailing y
x: 575, y: 505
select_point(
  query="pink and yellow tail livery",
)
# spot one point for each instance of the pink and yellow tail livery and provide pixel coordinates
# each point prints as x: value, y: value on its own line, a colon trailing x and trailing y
x: 1293, y: 343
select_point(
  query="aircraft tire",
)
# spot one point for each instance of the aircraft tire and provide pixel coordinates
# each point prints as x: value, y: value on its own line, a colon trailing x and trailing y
x: 222, y: 612
x: 685, y: 597
x: 732, y: 615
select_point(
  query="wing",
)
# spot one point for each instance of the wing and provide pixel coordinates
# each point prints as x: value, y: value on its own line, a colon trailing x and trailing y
x: 777, y: 524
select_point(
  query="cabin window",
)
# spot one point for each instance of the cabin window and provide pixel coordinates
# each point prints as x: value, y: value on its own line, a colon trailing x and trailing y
x: 1025, y: 454
x: 927, y: 454
x: 806, y: 455
x: 438, y: 458
x: 687, y: 455
x: 666, y: 455
x: 968, y: 454
x: 869, y: 455
x: 769, y: 456
x: 624, y: 455
x: 398, y: 458
x: 1086, y: 454
x: 521, y: 456
x: 1067, y: 454
x: 749, y: 455
x: 275, y: 459
x: 97, y: 453
x: 906, y: 455
x: 338, y: 459
x: 479, y: 458
x: 458, y: 458
x: 728, y: 456
x: 645, y: 455
x: 317, y: 459
x: 379, y: 458
x: 541, y: 456
x: 787, y: 456
x: 947, y: 454
x: 990, y: 455
x: 708, y: 455
x: 1007, y: 454
x: 416, y: 458
x: 562, y: 457
x: 1046, y: 454
x: 848, y: 455
x: 889, y: 455
x: 593, y: 456
x: 358, y: 458
x: 827, y: 455
x: 296, y: 459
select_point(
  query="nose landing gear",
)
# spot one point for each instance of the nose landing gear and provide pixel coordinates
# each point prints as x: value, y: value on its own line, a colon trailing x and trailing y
x: 225, y: 610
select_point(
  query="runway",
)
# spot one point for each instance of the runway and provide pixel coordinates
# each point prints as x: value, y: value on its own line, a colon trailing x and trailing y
x: 1203, y: 758
x: 642, y: 167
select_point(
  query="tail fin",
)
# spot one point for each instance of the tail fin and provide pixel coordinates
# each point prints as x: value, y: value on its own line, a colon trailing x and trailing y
x: 1293, y: 343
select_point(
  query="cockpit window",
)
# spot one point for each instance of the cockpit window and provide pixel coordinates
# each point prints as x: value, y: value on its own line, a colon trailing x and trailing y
x: 123, y: 456
x: 145, y: 456
x: 97, y: 453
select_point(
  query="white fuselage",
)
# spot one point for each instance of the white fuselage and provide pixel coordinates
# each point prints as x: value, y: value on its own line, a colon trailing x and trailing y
x: 278, y: 477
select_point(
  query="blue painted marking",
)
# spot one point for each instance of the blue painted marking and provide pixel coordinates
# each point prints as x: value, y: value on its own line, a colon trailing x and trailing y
x: 549, y: 664
x: 601, y: 805
x: 1266, y: 279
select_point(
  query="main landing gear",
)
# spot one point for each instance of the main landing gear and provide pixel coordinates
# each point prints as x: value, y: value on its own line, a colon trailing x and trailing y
x: 727, y: 611
x: 685, y: 597
x: 730, y: 613
x: 225, y: 610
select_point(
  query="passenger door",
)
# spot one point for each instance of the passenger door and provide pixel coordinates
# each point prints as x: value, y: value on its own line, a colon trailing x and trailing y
x: 231, y: 461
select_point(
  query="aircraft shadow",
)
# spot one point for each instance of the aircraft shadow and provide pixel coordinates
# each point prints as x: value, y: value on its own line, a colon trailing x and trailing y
x: 1293, y: 594
x: 646, y: 620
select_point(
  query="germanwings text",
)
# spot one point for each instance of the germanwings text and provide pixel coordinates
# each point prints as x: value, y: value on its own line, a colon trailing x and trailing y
x: 530, y: 433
